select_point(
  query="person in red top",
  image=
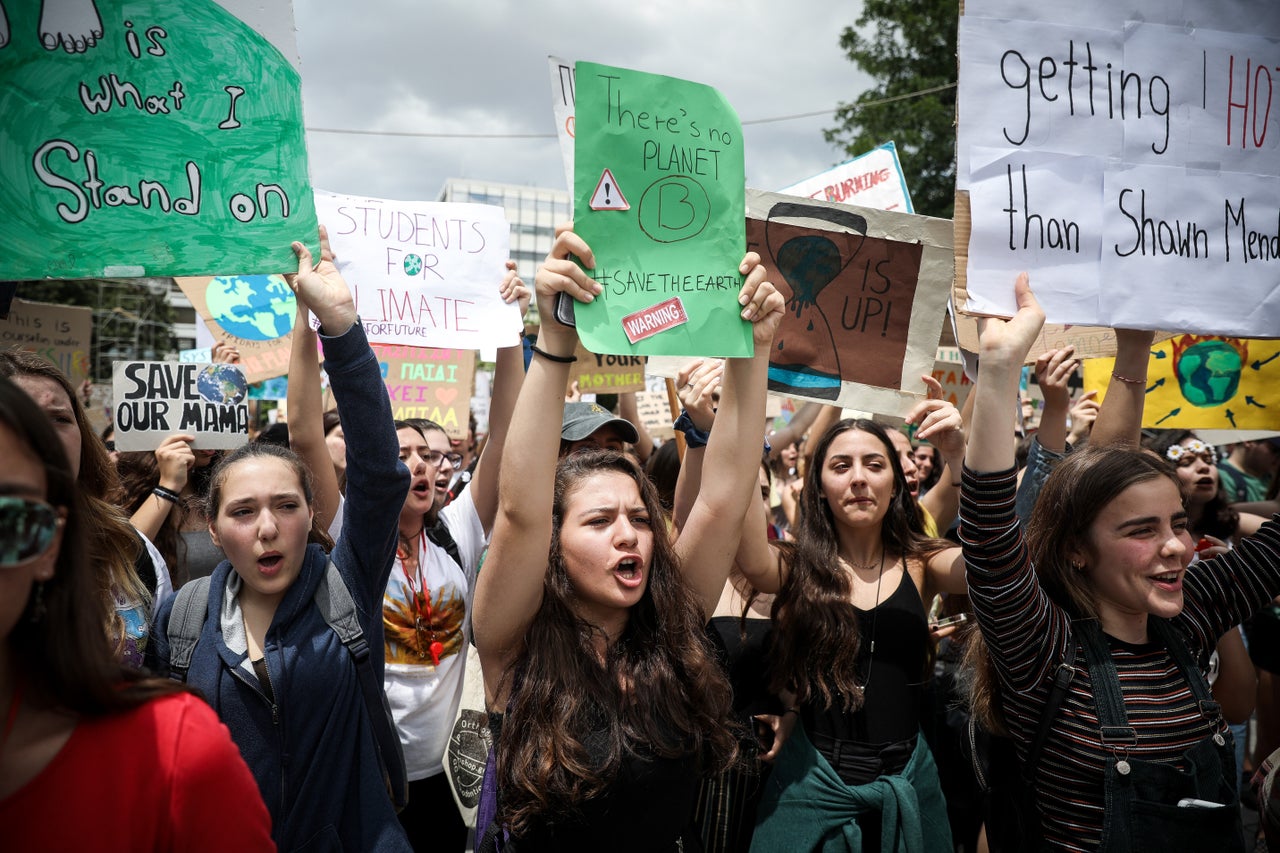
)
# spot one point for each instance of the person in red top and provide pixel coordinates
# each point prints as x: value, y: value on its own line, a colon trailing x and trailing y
x: 93, y: 756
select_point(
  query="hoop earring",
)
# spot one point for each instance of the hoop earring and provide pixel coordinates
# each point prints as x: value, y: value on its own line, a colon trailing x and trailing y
x: 37, y: 606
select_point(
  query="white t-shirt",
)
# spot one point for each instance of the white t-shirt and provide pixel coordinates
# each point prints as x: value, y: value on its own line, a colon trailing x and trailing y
x: 425, y: 618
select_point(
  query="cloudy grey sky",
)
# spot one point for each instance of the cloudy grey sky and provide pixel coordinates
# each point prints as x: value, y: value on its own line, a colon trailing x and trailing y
x: 479, y: 66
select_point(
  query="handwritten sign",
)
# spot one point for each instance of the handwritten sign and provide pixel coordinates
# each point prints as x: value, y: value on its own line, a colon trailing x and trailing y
x: 60, y: 334
x: 436, y: 384
x: 658, y: 194
x: 563, y: 98
x: 153, y: 399
x: 253, y: 313
x: 866, y: 291
x: 1128, y: 154
x: 150, y: 138
x: 607, y: 374
x: 873, y: 179
x: 655, y: 413
x: 1207, y: 382
x: 424, y: 273
x: 955, y: 384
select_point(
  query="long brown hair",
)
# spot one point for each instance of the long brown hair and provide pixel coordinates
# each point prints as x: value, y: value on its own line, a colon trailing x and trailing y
x: 114, y: 546
x: 658, y: 690
x: 1077, y: 491
x: 815, y: 644
x: 64, y: 655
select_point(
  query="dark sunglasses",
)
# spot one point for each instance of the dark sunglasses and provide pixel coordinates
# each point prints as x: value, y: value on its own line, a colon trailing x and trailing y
x: 27, y: 529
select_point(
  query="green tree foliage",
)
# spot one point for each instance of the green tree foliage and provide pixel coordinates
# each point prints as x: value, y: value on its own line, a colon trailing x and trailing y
x: 910, y: 47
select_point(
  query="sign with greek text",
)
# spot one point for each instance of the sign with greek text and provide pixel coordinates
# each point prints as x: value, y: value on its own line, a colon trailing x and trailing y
x: 60, y: 334
x: 424, y: 274
x: 1205, y: 382
x: 873, y: 179
x: 667, y: 230
x: 866, y: 291
x: 147, y: 138
x: 1128, y: 156
x: 153, y: 399
x: 253, y: 313
x: 436, y: 384
x: 955, y: 384
x: 607, y: 374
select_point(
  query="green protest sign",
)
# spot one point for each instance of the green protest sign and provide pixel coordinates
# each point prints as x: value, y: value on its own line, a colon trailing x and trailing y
x: 149, y: 138
x: 659, y: 195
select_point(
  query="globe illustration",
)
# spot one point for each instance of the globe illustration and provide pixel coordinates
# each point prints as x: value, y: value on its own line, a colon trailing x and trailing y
x: 223, y: 384
x: 1209, y: 373
x: 253, y: 307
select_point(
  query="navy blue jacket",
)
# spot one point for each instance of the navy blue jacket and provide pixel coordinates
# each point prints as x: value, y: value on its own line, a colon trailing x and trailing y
x: 313, y: 753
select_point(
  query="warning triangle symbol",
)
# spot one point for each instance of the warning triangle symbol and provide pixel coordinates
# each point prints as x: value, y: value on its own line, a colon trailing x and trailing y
x: 607, y: 195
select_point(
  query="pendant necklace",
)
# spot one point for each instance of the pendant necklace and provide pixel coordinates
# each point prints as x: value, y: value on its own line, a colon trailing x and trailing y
x: 875, y: 613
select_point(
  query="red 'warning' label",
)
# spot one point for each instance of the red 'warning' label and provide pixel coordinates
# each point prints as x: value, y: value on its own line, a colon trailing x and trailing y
x: 607, y: 195
x: 655, y: 319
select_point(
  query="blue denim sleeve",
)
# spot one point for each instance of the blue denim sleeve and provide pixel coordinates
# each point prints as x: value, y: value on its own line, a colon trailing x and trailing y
x: 1040, y: 464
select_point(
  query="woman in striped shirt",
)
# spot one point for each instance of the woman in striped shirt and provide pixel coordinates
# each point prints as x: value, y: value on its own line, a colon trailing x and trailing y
x: 1103, y: 565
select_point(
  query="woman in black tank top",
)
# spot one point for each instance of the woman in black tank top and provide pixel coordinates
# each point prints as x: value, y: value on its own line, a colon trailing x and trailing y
x: 851, y: 643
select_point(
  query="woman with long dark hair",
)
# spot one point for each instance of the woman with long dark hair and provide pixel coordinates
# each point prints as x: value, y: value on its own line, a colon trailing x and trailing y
x: 851, y: 644
x: 116, y: 551
x: 146, y: 764
x: 1099, y: 592
x: 589, y: 621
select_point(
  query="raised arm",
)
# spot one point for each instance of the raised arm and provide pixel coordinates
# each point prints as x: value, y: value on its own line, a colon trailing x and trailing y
x: 174, y: 460
x: 942, y: 425
x: 1053, y: 371
x: 797, y: 427
x: 377, y: 480
x: 710, y: 537
x: 1120, y: 418
x: 1003, y: 348
x: 508, y: 375
x: 509, y: 589
x: 697, y: 385
x: 629, y: 410
x: 306, y: 414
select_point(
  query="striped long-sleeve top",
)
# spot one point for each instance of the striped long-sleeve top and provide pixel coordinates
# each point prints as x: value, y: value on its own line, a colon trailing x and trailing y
x: 1027, y: 635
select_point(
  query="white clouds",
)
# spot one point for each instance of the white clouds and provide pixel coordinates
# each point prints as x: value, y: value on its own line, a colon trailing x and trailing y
x: 444, y: 66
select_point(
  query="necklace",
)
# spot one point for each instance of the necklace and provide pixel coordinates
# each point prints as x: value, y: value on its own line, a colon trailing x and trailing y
x: 875, y: 614
x: 424, y: 615
x: 868, y: 566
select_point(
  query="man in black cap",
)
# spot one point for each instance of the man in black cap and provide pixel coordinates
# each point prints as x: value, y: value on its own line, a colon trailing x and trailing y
x: 587, y: 425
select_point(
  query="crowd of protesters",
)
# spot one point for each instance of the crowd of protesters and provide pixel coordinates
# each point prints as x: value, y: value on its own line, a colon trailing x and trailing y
x: 840, y: 635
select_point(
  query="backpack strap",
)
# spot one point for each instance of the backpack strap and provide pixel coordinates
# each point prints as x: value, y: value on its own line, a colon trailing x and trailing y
x: 1062, y: 679
x: 339, y: 611
x: 186, y: 621
x: 440, y: 535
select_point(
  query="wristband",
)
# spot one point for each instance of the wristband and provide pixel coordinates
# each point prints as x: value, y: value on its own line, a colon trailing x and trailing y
x: 693, y: 437
x: 558, y: 359
x: 167, y: 495
x: 1127, y: 380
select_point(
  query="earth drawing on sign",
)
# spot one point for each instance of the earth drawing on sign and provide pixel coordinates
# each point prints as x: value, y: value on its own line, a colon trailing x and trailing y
x: 253, y: 307
x: 222, y: 384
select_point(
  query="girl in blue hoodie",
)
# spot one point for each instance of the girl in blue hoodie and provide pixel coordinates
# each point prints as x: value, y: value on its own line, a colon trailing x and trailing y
x: 267, y: 661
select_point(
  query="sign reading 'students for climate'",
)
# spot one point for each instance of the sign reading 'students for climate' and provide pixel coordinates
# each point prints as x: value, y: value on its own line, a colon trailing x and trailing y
x: 153, y: 399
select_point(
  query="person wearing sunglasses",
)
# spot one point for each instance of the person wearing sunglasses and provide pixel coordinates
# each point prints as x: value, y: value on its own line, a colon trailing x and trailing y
x: 146, y: 764
x: 131, y: 573
x: 427, y: 603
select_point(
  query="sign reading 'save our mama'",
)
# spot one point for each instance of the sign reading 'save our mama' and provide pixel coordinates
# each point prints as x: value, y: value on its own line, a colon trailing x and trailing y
x: 1127, y: 154
x: 153, y: 399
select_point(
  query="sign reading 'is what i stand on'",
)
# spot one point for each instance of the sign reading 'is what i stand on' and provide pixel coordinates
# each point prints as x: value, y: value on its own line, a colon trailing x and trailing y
x: 148, y: 138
